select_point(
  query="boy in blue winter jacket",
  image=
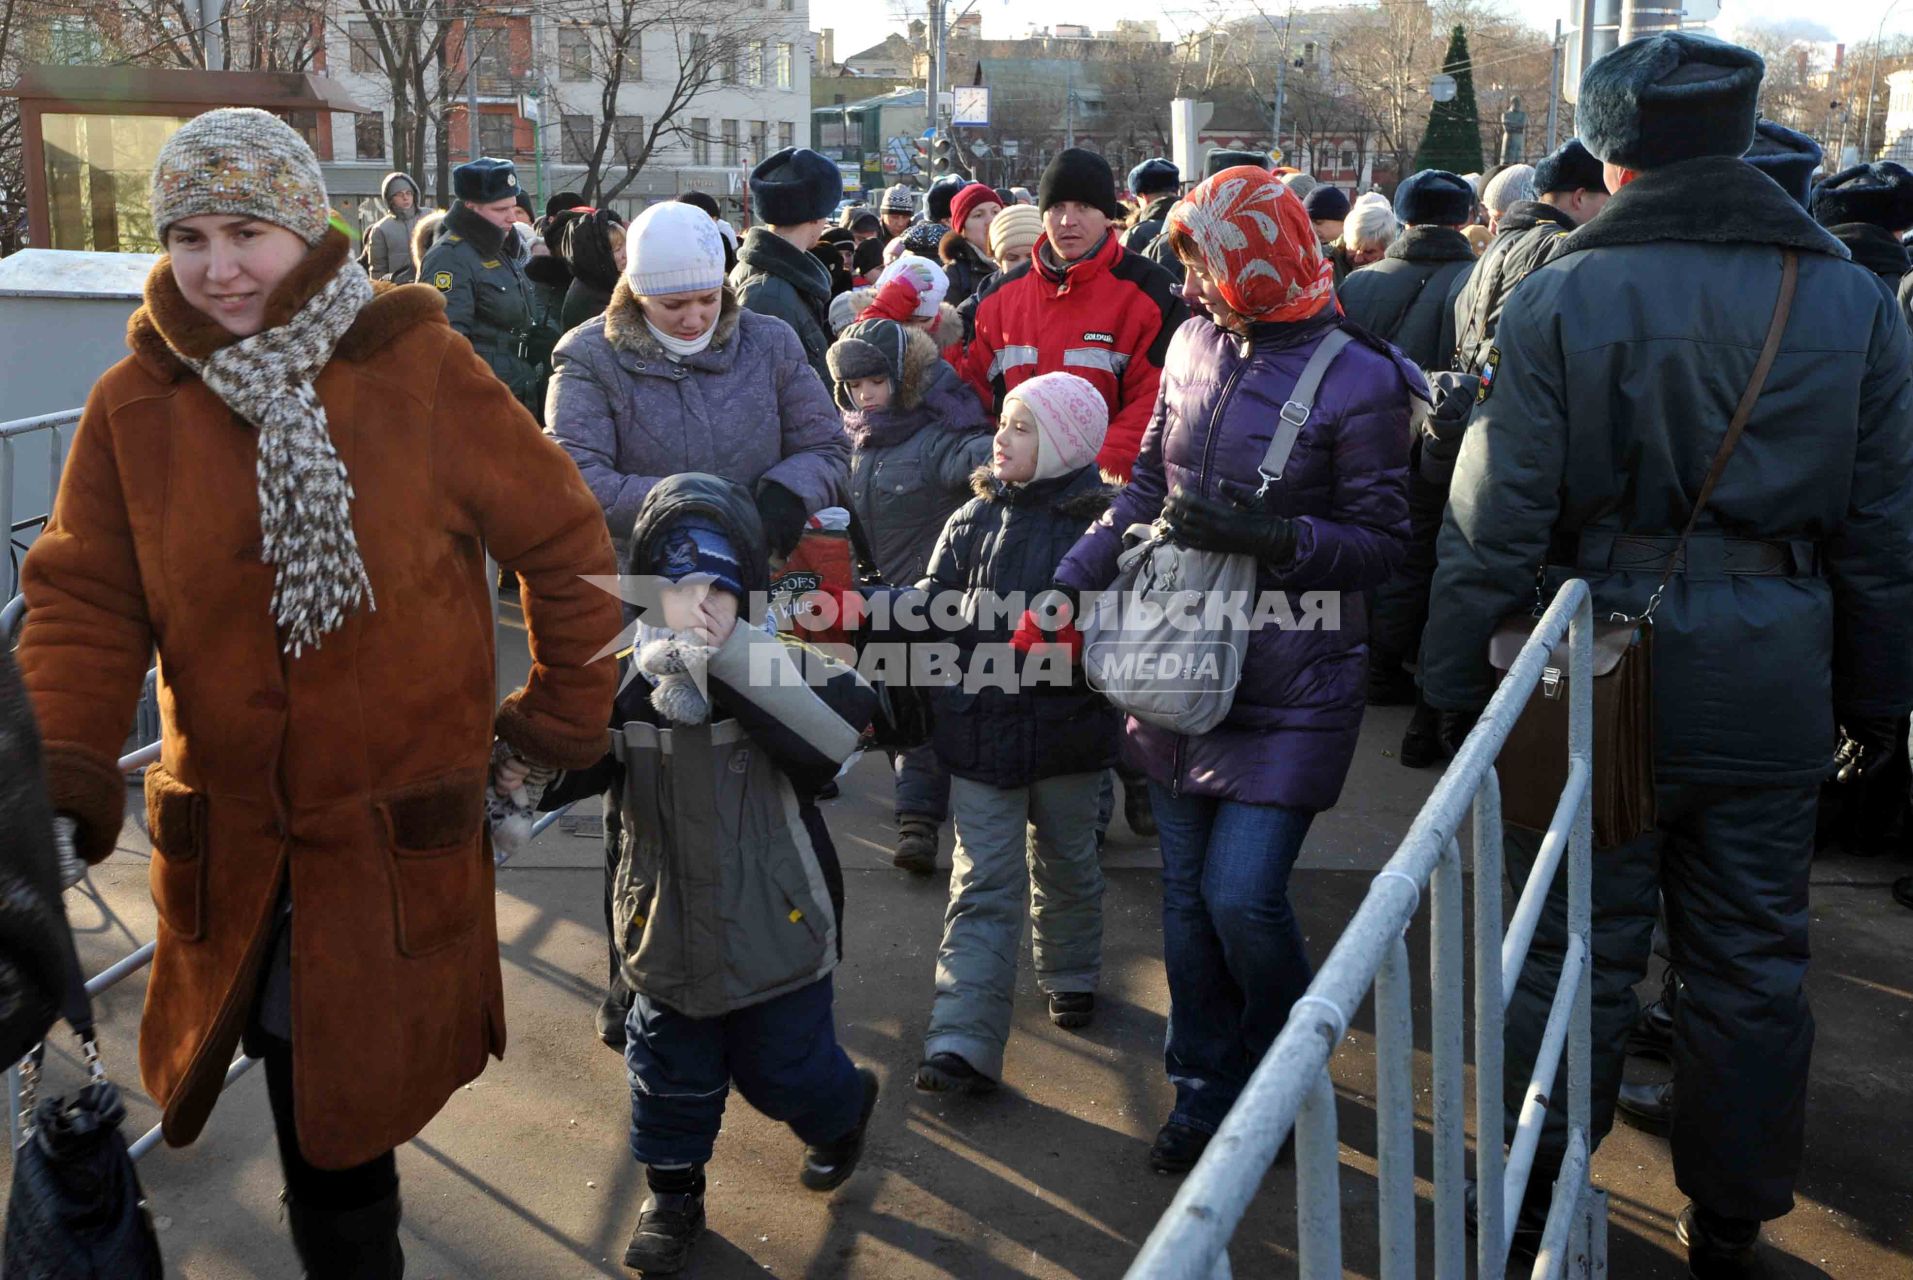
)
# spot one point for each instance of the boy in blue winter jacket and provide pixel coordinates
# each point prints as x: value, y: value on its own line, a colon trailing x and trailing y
x: 728, y: 898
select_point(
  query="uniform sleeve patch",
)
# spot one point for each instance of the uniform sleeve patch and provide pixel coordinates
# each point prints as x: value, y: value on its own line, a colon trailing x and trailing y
x: 442, y: 282
x: 1488, y: 370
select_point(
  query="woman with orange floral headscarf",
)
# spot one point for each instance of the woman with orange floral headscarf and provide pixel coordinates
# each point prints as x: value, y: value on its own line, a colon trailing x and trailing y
x: 1234, y: 804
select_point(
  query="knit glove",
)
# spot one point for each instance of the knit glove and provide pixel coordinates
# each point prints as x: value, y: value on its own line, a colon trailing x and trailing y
x: 784, y: 516
x: 1030, y: 635
x: 1208, y: 525
x: 1865, y: 745
x: 66, y: 831
x: 896, y: 301
x: 509, y: 809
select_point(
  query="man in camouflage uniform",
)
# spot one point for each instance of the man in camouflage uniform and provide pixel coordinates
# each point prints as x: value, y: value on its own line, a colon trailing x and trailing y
x: 487, y: 297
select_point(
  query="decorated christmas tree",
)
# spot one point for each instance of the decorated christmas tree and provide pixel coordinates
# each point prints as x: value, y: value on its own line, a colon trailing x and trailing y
x: 1453, y: 139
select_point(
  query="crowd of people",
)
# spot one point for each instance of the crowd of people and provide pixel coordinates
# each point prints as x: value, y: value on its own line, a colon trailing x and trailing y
x: 290, y: 487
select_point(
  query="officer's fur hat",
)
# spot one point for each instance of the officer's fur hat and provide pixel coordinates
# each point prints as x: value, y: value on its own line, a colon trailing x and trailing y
x: 1669, y: 97
x: 1220, y: 159
x: 1881, y: 194
x: 484, y: 180
x: 1569, y: 167
x: 1434, y: 197
x: 1787, y: 157
x: 795, y: 186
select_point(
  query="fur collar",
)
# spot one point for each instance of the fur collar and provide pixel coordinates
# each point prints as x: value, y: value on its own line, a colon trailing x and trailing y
x: 425, y: 234
x: 1875, y: 248
x: 488, y: 239
x: 625, y: 330
x: 1082, y: 494
x: 1524, y: 215
x: 1711, y: 200
x: 954, y: 247
x: 1431, y: 244
x: 766, y: 253
x: 166, y: 323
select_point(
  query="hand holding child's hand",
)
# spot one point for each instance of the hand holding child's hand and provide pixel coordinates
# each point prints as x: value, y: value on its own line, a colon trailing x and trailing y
x: 509, y: 774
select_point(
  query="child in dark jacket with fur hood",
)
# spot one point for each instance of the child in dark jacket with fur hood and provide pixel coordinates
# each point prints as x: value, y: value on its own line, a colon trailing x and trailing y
x: 1027, y: 762
x: 728, y: 898
x: 917, y: 431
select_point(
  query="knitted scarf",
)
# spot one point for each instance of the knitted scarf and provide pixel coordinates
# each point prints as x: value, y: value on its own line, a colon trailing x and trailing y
x: 305, y: 496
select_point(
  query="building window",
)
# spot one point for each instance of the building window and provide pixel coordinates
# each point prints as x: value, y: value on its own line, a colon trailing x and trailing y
x: 306, y: 125
x: 701, y: 140
x: 785, y: 5
x: 578, y: 139
x: 363, y: 46
x: 494, y: 60
x: 787, y: 135
x: 495, y: 133
x: 728, y: 136
x: 1348, y: 157
x: 700, y: 54
x: 785, y: 53
x: 73, y: 41
x: 759, y: 132
x: 574, y: 53
x: 627, y: 135
x: 368, y: 132
x: 730, y: 62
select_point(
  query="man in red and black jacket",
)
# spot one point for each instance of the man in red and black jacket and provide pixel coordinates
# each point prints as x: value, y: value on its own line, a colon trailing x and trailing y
x: 1082, y: 304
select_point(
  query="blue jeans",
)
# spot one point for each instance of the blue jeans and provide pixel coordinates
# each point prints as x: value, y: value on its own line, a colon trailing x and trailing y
x: 1230, y: 943
x: 782, y: 1053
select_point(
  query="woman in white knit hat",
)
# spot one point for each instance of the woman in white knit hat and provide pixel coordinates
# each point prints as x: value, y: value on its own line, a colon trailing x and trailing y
x: 288, y: 489
x: 676, y: 376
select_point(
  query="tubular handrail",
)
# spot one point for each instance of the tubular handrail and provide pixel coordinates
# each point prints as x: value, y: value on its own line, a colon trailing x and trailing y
x: 10, y: 432
x: 1291, y: 1088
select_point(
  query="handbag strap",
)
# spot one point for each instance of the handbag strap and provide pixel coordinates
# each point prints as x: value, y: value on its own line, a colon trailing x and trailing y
x: 76, y: 1008
x: 1300, y: 404
x: 1783, y: 307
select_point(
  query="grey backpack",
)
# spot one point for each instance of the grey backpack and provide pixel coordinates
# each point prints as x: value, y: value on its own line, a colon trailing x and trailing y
x: 1165, y: 641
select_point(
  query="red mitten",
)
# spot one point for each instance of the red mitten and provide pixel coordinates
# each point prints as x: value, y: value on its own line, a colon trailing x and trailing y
x: 897, y: 301
x: 1029, y: 634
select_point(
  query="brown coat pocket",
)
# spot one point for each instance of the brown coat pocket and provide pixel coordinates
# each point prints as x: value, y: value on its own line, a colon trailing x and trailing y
x: 176, y: 816
x: 432, y: 832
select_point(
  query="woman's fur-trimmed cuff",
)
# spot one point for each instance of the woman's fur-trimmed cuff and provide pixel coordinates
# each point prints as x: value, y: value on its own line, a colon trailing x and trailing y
x: 92, y: 790
x: 535, y: 742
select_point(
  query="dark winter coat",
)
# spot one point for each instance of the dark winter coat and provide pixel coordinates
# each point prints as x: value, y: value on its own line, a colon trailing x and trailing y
x: 1620, y: 365
x: 1155, y: 217
x: 1009, y: 539
x: 775, y: 278
x: 487, y: 298
x: 966, y: 268
x: 728, y: 891
x: 1163, y: 256
x: 1291, y: 732
x: 1880, y: 251
x: 910, y: 464
x: 388, y: 242
x: 1531, y: 232
x: 1409, y: 296
x: 33, y: 946
x: 746, y: 408
x: 584, y: 300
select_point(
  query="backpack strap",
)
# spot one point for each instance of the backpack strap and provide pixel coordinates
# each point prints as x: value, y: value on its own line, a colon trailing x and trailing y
x: 1300, y: 404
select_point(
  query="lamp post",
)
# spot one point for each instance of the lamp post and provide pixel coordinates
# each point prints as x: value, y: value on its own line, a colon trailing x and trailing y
x: 1873, y: 83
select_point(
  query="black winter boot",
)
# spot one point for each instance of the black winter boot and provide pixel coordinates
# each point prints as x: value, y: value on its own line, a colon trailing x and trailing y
x: 828, y: 1165
x: 348, y: 1244
x: 916, y: 844
x: 1136, y: 811
x: 669, y: 1221
x: 1072, y: 1009
x: 1720, y: 1248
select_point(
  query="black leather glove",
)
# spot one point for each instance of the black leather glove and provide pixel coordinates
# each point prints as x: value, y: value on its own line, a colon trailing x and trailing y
x: 783, y: 514
x: 1865, y: 745
x: 1208, y: 525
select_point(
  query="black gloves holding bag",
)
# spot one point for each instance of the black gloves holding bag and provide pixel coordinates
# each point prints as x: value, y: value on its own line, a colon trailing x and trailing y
x: 1207, y: 524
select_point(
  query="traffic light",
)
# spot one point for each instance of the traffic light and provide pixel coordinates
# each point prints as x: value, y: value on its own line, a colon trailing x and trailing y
x: 922, y: 146
x: 940, y: 161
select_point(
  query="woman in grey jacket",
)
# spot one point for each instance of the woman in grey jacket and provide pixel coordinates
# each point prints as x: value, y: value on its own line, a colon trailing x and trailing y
x: 676, y: 377
x: 388, y: 242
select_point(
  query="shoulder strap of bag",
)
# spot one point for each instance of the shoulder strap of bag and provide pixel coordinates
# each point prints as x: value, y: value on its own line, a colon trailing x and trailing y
x: 1783, y: 307
x: 76, y: 1008
x: 1301, y: 402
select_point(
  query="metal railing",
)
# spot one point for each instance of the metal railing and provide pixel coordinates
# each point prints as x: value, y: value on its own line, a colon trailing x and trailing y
x: 1291, y: 1088
x: 11, y: 433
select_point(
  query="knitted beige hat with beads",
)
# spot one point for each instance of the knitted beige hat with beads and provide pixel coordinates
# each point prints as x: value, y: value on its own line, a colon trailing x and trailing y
x: 240, y: 160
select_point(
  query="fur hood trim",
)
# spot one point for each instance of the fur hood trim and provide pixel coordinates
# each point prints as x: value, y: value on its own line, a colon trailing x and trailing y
x: 1086, y: 495
x: 625, y: 330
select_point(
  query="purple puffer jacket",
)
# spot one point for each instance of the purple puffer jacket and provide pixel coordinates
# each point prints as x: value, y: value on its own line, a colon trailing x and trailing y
x: 747, y: 408
x: 1291, y: 732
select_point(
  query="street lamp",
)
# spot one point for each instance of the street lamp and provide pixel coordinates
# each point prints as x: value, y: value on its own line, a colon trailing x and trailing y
x: 1873, y: 82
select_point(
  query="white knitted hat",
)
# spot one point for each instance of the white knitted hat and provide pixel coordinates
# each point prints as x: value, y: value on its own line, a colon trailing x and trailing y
x: 933, y: 285
x: 673, y: 248
x: 240, y: 160
x: 1507, y: 188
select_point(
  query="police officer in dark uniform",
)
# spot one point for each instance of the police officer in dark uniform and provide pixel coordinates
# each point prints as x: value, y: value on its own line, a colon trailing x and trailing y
x: 487, y: 297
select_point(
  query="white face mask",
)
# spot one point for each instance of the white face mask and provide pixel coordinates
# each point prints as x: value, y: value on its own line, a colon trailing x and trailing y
x: 678, y: 348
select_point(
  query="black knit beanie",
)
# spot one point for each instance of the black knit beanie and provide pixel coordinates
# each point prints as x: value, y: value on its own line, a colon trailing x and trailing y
x: 1079, y: 175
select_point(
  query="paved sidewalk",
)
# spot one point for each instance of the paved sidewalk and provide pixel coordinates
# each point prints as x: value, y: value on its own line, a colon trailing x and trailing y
x: 526, y: 1174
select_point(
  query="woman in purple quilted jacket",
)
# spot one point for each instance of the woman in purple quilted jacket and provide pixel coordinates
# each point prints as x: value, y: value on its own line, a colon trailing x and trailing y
x: 1234, y: 804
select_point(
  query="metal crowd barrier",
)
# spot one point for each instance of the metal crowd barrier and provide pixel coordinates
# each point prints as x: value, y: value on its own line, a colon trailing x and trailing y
x: 10, y: 432
x: 1292, y: 1088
